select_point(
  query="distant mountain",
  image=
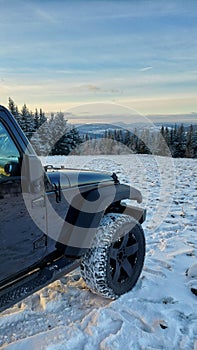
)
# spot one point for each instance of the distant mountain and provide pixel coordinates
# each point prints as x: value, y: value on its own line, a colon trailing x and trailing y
x: 132, y: 121
x: 99, y: 129
x: 96, y: 129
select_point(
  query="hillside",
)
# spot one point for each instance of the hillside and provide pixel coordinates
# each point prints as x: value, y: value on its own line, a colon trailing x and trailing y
x: 161, y: 311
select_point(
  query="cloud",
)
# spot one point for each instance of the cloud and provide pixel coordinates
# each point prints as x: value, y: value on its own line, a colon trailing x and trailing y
x: 94, y: 89
x: 146, y: 68
x: 43, y: 15
x: 91, y: 87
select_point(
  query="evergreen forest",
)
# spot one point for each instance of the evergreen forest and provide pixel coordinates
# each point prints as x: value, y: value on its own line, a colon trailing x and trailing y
x: 55, y: 136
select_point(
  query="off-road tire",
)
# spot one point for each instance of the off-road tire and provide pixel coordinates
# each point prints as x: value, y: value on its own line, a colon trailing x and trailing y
x: 113, y: 265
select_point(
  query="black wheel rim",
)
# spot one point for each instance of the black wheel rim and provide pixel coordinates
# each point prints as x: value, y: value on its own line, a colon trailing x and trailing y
x: 123, y: 257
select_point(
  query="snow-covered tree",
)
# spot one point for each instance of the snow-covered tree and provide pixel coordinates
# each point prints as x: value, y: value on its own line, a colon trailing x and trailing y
x: 191, y: 143
x: 42, y: 117
x: 27, y: 121
x: 14, y: 110
x: 36, y: 119
x: 65, y: 138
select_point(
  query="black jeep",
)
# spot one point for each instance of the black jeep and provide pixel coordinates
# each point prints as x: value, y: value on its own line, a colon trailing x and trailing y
x: 53, y: 220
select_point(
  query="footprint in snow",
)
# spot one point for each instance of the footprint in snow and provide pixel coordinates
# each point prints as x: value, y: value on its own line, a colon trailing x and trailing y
x: 191, y: 273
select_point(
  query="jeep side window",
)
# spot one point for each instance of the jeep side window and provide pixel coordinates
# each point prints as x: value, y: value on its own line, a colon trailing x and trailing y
x: 9, y: 155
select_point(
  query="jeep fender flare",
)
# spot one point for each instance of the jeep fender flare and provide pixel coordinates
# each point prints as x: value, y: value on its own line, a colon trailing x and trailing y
x: 86, y: 211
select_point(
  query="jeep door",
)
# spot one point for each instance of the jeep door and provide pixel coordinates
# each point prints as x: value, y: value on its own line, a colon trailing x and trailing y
x: 22, y: 242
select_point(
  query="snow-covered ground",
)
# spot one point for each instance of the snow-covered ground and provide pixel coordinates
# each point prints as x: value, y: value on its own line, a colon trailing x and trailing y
x: 161, y: 311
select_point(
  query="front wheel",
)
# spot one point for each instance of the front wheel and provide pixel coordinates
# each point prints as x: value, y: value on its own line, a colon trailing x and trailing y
x: 113, y: 265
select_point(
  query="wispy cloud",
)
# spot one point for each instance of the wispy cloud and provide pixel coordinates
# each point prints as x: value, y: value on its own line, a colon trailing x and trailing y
x: 94, y: 89
x: 45, y: 16
x: 146, y: 69
x: 58, y: 51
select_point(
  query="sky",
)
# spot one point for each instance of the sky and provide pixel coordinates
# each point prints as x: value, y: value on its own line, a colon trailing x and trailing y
x: 58, y: 55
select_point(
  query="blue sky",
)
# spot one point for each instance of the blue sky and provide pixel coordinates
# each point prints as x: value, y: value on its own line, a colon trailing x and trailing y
x: 59, y: 54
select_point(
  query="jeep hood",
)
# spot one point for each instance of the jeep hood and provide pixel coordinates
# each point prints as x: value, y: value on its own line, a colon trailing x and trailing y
x: 75, y: 177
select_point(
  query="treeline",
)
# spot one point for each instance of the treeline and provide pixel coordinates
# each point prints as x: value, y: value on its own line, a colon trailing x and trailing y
x: 181, y: 141
x: 49, y: 136
x: 54, y: 136
x: 176, y: 141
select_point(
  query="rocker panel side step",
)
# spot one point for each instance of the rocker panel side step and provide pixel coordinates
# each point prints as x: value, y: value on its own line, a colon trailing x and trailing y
x: 31, y: 283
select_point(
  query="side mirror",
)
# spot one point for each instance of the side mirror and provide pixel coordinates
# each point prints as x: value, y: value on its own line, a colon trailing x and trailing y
x: 32, y: 168
x: 12, y: 168
x: 32, y: 174
x: 8, y: 168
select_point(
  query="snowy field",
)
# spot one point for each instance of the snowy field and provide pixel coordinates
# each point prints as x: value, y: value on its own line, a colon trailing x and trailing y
x: 161, y: 311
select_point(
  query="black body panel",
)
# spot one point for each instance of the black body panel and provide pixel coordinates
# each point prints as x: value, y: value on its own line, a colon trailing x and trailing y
x: 47, y: 216
x: 23, y: 243
x: 76, y: 178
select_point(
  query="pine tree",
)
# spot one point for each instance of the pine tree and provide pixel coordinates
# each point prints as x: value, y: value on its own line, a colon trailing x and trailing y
x: 40, y: 140
x: 14, y: 110
x: 179, y: 142
x: 76, y: 139
x: 163, y: 142
x: 135, y: 141
x: 144, y: 142
x: 64, y: 138
x: 42, y: 117
x: 58, y: 128
x: 27, y: 121
x: 167, y: 135
x: 127, y: 139
x: 191, y: 144
x: 36, y: 119
x: 194, y: 144
x: 162, y: 131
